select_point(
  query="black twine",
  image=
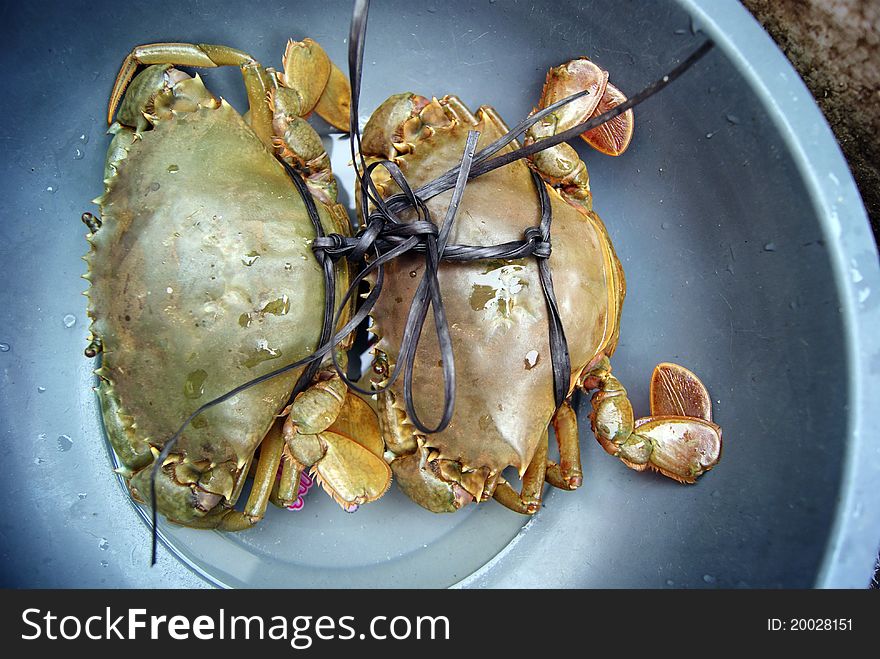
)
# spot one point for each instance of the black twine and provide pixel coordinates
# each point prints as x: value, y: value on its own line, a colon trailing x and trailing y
x: 383, y: 237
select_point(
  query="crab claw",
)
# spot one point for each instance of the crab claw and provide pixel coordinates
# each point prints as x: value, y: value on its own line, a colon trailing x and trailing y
x: 395, y: 125
x: 306, y: 72
x: 334, y: 106
x: 612, y: 137
x: 345, y: 457
x: 423, y: 481
x: 186, y: 494
x: 676, y: 391
x: 560, y: 165
x: 682, y: 448
x: 568, y: 79
x: 316, y: 82
x: 348, y: 471
x: 679, y: 440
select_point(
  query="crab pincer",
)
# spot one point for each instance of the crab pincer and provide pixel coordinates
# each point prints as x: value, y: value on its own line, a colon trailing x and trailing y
x: 679, y: 439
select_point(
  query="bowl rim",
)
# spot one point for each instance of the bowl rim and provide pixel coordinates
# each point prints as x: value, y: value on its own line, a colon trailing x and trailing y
x: 851, y: 550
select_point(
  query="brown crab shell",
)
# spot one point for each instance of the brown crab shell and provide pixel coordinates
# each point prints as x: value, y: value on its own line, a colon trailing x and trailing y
x: 496, y: 309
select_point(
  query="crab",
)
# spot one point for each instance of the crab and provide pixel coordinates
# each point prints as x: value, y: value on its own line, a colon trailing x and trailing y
x: 497, y: 315
x: 202, y: 277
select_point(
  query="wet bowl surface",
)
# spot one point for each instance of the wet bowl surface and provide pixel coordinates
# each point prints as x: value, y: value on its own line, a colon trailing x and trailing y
x: 748, y: 259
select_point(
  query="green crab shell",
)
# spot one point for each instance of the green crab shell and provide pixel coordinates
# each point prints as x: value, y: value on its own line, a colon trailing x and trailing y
x: 202, y: 278
x: 496, y: 309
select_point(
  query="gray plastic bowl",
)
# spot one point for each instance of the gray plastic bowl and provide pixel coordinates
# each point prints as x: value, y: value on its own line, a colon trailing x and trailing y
x: 746, y: 248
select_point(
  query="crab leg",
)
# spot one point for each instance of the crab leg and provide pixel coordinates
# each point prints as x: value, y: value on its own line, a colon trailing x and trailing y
x: 264, y: 480
x: 528, y: 501
x: 680, y: 447
x: 229, y: 519
x: 298, y: 143
x: 286, y: 488
x: 309, y: 82
x: 256, y: 80
x: 567, y: 475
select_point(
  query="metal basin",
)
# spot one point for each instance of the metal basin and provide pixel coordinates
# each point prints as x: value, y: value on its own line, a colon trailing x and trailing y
x: 748, y: 258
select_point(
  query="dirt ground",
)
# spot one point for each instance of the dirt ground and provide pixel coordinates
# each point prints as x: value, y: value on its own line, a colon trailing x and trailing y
x: 835, y: 46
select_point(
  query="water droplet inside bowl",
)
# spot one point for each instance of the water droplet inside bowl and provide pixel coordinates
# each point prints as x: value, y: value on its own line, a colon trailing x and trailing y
x: 69, y: 320
x: 5, y: 347
x: 65, y: 443
x: 194, y: 387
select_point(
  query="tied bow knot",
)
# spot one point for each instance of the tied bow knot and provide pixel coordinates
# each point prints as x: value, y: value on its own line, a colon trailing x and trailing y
x: 381, y: 236
x: 538, y: 242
